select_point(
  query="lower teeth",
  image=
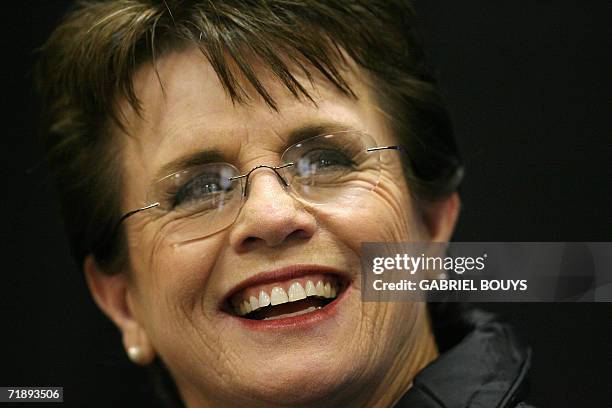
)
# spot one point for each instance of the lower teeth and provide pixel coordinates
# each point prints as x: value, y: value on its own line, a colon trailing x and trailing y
x: 301, y: 312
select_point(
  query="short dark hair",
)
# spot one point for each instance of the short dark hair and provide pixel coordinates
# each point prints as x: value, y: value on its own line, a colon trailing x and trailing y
x: 88, y: 64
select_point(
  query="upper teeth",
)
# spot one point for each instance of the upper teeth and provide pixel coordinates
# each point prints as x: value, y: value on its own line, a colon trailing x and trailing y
x: 296, y: 292
x: 278, y: 295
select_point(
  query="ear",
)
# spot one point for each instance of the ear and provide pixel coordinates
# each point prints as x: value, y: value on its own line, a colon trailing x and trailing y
x: 113, y: 296
x: 441, y: 217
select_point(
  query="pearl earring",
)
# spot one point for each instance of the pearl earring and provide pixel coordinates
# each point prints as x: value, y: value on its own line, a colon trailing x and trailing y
x: 135, y: 354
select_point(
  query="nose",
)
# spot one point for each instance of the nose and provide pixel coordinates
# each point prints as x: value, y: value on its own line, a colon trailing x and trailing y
x: 270, y: 216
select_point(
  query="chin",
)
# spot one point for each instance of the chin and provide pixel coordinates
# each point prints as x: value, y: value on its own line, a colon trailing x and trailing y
x: 306, y: 359
x: 306, y: 378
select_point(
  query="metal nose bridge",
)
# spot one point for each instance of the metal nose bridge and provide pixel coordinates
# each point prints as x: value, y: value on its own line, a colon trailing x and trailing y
x: 248, y: 174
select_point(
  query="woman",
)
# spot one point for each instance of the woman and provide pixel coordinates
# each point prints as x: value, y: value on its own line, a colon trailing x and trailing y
x: 219, y: 166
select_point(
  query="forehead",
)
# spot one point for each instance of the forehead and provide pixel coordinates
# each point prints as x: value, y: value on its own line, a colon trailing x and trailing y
x: 191, y: 111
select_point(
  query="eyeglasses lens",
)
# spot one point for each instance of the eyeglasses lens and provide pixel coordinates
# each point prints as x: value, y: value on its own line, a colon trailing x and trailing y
x: 333, y: 169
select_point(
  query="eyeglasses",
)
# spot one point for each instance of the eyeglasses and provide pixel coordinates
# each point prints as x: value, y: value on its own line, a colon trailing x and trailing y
x: 332, y: 169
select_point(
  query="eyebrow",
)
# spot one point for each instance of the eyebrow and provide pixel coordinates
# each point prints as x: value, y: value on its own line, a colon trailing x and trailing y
x: 197, y: 158
x: 308, y: 131
x: 201, y: 157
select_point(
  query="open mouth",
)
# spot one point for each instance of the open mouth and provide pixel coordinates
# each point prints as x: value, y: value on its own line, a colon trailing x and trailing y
x: 286, y: 298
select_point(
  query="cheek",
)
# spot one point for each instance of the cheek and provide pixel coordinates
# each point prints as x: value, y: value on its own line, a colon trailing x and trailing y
x: 173, y: 281
x: 385, y: 214
x: 180, y: 307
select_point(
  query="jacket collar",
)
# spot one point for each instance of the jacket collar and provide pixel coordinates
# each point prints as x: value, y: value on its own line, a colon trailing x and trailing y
x: 487, y: 368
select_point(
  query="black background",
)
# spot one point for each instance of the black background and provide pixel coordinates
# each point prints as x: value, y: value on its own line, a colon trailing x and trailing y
x: 529, y: 86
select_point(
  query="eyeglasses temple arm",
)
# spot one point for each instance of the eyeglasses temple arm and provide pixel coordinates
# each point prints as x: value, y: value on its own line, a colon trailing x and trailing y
x: 129, y: 214
x: 455, y: 179
x: 374, y: 149
x: 113, y: 231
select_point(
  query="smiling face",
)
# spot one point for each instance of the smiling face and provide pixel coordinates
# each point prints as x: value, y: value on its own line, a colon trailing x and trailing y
x: 193, y: 302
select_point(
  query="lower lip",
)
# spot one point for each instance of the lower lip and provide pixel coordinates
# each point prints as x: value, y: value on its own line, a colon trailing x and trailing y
x: 300, y: 322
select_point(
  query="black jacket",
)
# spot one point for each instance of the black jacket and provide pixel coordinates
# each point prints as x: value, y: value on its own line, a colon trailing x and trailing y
x: 482, y: 365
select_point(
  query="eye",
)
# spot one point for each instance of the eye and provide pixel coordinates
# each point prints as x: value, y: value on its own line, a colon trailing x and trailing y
x: 201, y: 189
x: 319, y: 161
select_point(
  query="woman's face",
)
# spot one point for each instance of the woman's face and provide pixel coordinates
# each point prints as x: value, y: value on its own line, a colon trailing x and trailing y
x: 176, y: 294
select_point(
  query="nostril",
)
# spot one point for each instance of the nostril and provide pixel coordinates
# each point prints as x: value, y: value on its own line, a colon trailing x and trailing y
x: 273, y: 239
x: 299, y: 234
x: 249, y: 241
